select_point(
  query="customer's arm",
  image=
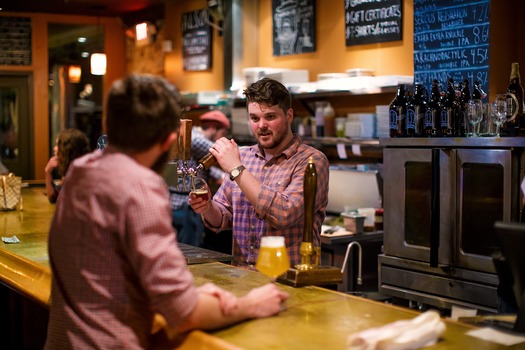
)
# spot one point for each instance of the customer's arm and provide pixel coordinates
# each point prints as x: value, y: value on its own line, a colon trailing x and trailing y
x: 220, y: 308
x: 52, y: 193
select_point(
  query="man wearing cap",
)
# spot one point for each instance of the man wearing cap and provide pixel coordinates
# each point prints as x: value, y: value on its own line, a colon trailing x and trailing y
x: 214, y: 125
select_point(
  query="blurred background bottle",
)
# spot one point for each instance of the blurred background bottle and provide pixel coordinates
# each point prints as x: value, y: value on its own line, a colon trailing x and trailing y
x: 397, y: 112
x: 515, y: 126
x: 329, y: 120
x: 447, y: 114
x: 432, y: 113
x: 411, y: 117
x: 465, y: 96
x: 420, y: 104
x: 319, y: 119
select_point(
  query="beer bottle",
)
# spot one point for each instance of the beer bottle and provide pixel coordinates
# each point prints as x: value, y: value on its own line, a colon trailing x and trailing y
x: 420, y: 104
x: 515, y: 126
x: 478, y: 93
x: 432, y: 112
x: 397, y: 112
x: 463, y: 101
x: 447, y: 114
x: 411, y: 117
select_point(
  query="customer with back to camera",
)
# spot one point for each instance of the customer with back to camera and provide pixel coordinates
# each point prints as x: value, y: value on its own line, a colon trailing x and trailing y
x: 264, y: 195
x: 112, y: 249
x: 70, y: 144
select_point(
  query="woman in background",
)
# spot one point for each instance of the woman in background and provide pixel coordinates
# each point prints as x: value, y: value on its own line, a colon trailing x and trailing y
x: 70, y: 144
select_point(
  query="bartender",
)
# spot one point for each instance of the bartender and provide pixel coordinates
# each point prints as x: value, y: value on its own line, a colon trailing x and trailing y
x: 263, y: 195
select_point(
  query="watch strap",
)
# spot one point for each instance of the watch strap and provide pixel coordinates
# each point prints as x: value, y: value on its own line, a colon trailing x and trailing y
x: 235, y: 172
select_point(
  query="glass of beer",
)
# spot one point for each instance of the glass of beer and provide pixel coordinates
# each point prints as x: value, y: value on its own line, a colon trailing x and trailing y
x: 200, y: 188
x: 273, y: 259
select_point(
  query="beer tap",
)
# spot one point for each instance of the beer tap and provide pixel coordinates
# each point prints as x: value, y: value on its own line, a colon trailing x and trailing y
x: 309, y: 272
x: 307, y: 250
x: 184, y: 171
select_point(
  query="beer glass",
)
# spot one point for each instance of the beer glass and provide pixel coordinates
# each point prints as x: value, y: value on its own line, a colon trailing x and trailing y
x: 273, y: 259
x: 499, y: 111
x: 474, y: 114
x: 200, y: 188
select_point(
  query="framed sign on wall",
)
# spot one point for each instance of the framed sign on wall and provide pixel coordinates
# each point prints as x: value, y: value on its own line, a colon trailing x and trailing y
x: 196, y: 41
x: 293, y: 26
x: 368, y: 22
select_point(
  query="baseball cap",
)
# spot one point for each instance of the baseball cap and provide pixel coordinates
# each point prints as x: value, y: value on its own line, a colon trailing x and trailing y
x: 217, y: 117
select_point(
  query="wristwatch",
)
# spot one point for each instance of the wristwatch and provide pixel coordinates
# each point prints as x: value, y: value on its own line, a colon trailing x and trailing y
x: 236, y: 172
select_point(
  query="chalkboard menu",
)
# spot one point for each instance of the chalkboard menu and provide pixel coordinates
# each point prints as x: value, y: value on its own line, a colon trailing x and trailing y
x: 196, y: 41
x: 293, y: 26
x: 15, y: 41
x: 373, y: 21
x: 451, y: 40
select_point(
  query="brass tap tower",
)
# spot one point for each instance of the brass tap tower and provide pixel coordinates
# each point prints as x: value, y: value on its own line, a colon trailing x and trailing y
x: 177, y: 172
x: 309, y: 272
x: 309, y: 255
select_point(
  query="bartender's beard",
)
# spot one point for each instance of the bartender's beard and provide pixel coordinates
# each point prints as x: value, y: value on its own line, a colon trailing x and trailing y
x: 160, y: 164
x: 272, y: 140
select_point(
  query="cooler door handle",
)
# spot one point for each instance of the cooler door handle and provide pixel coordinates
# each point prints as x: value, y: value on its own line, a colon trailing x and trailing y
x: 435, y: 213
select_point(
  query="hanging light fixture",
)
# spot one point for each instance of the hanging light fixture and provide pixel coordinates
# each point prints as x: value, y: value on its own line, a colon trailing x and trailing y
x: 74, y: 73
x: 98, y: 63
x: 98, y: 60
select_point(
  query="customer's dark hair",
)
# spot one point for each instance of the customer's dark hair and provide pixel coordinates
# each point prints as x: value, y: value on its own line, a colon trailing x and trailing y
x: 270, y: 92
x: 141, y: 111
x: 71, y: 144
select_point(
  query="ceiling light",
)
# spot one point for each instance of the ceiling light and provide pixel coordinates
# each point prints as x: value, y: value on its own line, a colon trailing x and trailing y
x: 74, y: 73
x: 98, y: 63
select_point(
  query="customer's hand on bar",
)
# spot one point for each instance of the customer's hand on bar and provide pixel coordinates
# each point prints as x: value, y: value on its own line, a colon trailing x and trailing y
x: 264, y: 301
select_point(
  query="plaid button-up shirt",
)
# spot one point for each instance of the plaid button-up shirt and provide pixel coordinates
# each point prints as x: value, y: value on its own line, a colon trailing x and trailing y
x: 280, y: 204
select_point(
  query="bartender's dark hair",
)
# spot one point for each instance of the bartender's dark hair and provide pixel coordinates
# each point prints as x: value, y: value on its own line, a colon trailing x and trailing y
x: 270, y: 92
x: 141, y: 111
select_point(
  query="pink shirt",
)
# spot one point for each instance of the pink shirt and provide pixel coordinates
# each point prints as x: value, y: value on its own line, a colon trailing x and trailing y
x: 114, y: 257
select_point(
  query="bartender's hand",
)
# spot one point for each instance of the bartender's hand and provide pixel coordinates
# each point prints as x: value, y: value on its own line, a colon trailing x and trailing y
x: 199, y: 204
x: 227, y: 153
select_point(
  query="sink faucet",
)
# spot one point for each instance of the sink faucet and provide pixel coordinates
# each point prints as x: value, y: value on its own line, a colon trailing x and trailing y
x: 348, y: 250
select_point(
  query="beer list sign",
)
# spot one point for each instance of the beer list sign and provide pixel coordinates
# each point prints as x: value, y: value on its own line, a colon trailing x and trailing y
x: 196, y: 41
x: 373, y: 21
x: 451, y: 40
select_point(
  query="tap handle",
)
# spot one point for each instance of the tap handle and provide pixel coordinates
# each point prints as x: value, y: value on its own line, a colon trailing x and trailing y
x: 207, y: 161
x: 309, y: 190
x: 175, y: 150
x: 185, y: 134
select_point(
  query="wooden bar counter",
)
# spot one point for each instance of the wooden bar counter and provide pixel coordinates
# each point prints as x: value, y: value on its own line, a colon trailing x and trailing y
x: 315, y: 318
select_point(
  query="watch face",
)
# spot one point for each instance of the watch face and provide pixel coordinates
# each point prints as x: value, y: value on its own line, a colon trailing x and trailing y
x: 235, y: 172
x: 102, y: 142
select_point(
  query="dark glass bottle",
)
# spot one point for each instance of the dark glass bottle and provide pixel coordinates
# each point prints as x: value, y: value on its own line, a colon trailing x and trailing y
x: 420, y: 104
x: 432, y: 112
x: 397, y: 112
x: 447, y: 114
x: 463, y: 100
x: 411, y: 116
x: 478, y: 93
x: 515, y: 126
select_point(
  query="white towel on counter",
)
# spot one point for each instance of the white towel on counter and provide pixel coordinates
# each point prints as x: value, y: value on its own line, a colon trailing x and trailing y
x: 423, y: 330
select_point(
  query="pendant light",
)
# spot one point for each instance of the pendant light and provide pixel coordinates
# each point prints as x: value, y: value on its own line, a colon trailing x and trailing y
x: 98, y: 59
x: 74, y: 73
x: 98, y: 63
